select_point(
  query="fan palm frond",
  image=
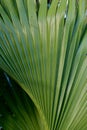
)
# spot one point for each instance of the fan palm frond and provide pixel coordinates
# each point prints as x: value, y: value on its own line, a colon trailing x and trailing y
x: 44, y: 49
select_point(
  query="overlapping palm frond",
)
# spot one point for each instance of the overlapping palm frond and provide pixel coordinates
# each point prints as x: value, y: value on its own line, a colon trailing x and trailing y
x: 44, y: 49
x: 17, y: 111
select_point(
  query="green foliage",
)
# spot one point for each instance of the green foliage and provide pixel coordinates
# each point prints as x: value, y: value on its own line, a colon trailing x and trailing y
x: 44, y: 49
x: 16, y: 108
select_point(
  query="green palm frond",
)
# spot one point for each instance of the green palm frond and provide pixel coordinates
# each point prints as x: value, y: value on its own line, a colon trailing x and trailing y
x: 16, y: 109
x: 44, y: 49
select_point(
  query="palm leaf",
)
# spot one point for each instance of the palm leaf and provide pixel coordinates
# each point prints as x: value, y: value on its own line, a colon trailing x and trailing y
x: 45, y: 51
x: 16, y: 108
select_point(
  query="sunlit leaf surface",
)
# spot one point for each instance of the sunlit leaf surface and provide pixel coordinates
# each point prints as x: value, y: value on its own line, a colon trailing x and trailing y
x: 43, y: 47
